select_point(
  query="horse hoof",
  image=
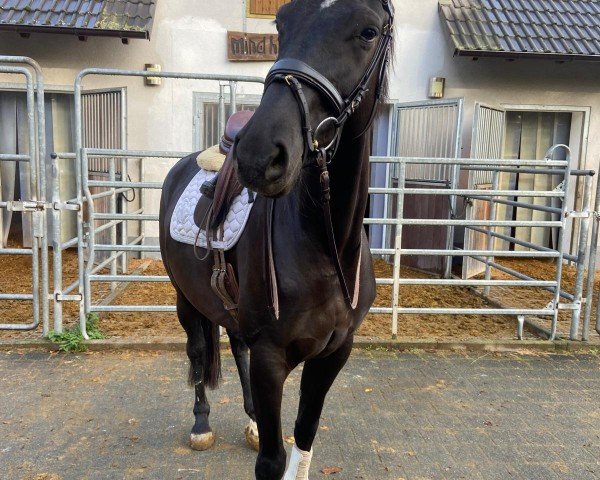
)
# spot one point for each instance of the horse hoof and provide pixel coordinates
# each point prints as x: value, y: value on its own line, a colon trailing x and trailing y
x: 251, y: 432
x: 203, y: 441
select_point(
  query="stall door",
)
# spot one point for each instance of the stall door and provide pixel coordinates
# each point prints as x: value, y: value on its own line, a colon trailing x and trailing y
x: 487, y: 140
x: 427, y: 129
x: 103, y: 127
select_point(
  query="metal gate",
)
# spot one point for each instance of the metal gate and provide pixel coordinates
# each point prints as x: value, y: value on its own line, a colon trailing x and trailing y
x: 563, y: 300
x: 31, y: 205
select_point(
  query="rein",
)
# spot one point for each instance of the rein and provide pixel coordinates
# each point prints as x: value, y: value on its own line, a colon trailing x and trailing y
x: 295, y: 74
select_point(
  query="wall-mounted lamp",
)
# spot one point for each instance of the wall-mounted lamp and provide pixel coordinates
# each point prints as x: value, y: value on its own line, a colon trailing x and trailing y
x: 437, y: 86
x: 153, y: 81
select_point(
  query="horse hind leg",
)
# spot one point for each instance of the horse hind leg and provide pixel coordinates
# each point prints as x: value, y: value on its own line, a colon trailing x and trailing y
x: 317, y: 378
x: 242, y: 360
x: 202, y: 350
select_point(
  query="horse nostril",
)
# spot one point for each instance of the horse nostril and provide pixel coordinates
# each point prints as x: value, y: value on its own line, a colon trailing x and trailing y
x: 276, y: 169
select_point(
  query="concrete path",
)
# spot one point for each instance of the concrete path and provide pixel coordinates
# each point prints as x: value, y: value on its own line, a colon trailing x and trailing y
x: 389, y: 416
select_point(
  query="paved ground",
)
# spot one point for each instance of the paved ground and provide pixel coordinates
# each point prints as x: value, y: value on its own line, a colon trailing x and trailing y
x: 390, y: 416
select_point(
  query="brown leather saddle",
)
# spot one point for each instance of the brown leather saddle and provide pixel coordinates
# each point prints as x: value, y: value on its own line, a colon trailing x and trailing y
x: 219, y: 192
x: 212, y: 209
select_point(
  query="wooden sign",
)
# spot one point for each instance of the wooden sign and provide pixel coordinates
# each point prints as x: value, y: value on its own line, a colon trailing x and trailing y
x: 252, y: 47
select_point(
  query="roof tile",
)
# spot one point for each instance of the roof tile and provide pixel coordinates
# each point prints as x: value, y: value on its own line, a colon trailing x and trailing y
x: 108, y: 17
x: 524, y: 27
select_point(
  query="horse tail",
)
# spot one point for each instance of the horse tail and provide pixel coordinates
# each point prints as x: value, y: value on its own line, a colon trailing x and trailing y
x: 212, y: 365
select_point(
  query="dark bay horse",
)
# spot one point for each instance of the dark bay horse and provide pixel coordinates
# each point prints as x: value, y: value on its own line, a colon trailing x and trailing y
x: 303, y: 262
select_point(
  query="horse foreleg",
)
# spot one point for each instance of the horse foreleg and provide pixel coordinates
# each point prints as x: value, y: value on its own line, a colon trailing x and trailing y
x: 202, y: 437
x: 317, y: 378
x: 242, y: 360
x: 268, y: 371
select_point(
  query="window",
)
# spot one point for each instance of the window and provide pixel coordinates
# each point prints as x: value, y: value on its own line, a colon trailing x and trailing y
x: 264, y: 8
x: 206, y: 116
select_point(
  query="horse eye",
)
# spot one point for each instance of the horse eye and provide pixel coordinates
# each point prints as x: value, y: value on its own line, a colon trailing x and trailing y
x: 369, y: 34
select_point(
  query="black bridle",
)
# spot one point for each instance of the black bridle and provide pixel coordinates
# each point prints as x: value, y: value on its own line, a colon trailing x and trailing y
x: 295, y: 74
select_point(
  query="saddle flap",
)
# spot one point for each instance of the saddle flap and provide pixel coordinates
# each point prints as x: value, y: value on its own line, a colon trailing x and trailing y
x: 227, y: 188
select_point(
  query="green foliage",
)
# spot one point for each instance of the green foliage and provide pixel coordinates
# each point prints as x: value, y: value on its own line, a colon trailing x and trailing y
x: 71, y: 340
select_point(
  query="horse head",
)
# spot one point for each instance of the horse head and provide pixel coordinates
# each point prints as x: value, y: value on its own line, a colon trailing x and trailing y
x: 333, y: 55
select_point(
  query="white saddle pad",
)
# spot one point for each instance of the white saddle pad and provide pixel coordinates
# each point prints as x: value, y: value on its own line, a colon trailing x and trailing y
x: 183, y: 228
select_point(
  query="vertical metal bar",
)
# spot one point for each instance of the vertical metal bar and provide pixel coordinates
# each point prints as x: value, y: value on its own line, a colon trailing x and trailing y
x: 398, y: 248
x: 591, y: 273
x: 584, y: 228
x: 91, y: 240
x: 122, y: 143
x: 56, y: 246
x: 232, y: 98
x: 113, y: 211
x: 34, y: 187
x: 455, y: 178
x: 221, y: 110
x: 81, y: 174
x: 490, y: 242
x: 41, y: 160
x: 561, y: 236
x: 142, y: 191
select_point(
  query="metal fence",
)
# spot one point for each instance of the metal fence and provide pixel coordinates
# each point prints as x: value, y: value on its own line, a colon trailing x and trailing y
x: 90, y: 272
x: 562, y: 300
x: 31, y: 204
x: 112, y: 269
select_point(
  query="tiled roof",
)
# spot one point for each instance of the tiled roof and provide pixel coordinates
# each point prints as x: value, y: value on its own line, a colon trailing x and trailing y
x: 537, y: 28
x: 120, y: 18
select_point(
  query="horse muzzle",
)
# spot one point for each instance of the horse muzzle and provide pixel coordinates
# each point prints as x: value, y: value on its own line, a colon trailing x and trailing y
x: 265, y: 170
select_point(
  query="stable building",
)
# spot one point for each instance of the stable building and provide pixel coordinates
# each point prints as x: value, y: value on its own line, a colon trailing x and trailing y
x: 471, y: 78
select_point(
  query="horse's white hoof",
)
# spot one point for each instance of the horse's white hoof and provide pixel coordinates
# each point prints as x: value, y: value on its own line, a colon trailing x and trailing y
x: 202, y: 442
x: 299, y: 464
x: 251, y: 432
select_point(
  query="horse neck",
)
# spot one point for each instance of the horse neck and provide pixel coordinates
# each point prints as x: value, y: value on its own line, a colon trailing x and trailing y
x: 349, y: 181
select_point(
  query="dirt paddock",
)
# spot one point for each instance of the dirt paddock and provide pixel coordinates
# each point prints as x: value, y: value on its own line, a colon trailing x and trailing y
x: 16, y: 278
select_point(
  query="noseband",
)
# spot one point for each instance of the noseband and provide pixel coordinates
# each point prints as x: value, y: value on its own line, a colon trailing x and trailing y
x: 295, y: 74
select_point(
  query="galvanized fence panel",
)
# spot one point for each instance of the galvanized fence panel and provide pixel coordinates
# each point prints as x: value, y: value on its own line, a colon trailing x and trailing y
x: 92, y: 271
x: 426, y: 167
x: 34, y: 204
x: 429, y: 168
x: 562, y: 300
